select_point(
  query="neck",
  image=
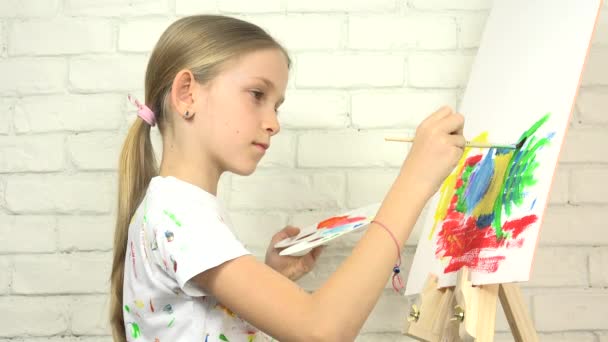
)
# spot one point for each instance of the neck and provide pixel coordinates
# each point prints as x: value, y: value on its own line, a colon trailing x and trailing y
x: 183, y: 166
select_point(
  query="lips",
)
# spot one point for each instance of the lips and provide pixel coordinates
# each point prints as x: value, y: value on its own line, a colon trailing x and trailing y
x: 262, y: 145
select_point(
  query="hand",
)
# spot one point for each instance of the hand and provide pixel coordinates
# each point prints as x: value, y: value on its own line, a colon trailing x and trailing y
x: 437, y: 148
x: 293, y: 267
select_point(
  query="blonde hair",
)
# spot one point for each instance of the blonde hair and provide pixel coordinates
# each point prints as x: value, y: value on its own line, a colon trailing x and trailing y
x: 201, y: 44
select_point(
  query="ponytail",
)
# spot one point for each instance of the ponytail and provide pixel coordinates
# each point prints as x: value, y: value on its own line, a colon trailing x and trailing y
x: 136, y: 168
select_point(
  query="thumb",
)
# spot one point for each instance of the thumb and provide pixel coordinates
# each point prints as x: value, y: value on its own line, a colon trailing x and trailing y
x: 286, y: 232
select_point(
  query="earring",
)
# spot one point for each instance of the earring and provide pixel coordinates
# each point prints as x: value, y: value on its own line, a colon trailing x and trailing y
x: 187, y: 114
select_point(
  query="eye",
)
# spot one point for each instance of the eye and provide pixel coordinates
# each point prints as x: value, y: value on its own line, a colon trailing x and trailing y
x: 258, y: 95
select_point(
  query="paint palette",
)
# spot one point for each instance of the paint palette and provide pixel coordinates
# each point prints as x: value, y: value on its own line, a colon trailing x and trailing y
x: 328, y: 230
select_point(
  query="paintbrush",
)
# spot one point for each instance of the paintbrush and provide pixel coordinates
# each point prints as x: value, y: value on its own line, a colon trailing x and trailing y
x: 468, y: 143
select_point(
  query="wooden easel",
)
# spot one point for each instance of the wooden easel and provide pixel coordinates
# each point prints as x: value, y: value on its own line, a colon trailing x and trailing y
x: 467, y: 313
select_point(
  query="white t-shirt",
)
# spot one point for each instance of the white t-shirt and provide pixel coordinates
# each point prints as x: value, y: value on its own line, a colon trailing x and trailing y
x: 178, y: 231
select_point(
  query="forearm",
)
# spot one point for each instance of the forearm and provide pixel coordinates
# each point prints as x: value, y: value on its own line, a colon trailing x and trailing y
x: 348, y: 297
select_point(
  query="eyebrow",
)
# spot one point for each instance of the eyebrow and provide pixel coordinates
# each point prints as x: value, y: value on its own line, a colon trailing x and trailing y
x: 270, y: 85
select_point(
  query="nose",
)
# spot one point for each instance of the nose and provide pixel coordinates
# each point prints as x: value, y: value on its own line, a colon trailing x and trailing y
x: 271, y: 123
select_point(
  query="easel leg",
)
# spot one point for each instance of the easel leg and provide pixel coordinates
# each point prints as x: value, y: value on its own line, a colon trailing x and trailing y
x: 517, y: 315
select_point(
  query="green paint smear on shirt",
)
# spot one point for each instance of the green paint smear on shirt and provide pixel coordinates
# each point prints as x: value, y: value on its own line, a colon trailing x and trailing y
x: 135, y: 330
x: 171, y: 323
x: 172, y: 217
x: 223, y: 338
x: 127, y: 309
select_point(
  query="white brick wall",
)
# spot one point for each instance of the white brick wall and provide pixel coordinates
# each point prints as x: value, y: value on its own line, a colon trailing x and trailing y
x: 362, y: 68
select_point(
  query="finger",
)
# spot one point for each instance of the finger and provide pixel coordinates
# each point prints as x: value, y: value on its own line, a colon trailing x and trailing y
x: 457, y: 140
x: 452, y: 124
x: 284, y: 233
x: 441, y: 113
x: 316, y: 252
x: 291, y: 230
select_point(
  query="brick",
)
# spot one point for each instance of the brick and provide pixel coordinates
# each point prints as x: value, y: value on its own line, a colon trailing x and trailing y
x: 28, y: 234
x: 349, y: 149
x: 246, y: 6
x: 37, y: 114
x: 140, y: 35
x: 85, y: 233
x: 36, y: 37
x: 295, y: 31
x: 368, y: 186
x: 596, y: 70
x: 37, y: 316
x: 593, y: 106
x: 439, y: 71
x: 91, y: 193
x: 3, y: 40
x: 572, y: 270
x: 470, y: 29
x: 275, y: 190
x: 579, y: 310
x: 589, y: 185
x: 107, y: 147
x: 314, y: 109
x: 598, y: 267
x: 115, y: 8
x: 341, y: 6
x: 585, y: 145
x: 32, y: 153
x: 90, y: 315
x: 28, y: 8
x: 397, y: 109
x: 567, y: 337
x: 423, y: 32
x: 281, y: 152
x: 450, y: 5
x: 349, y: 71
x: 116, y: 73
x: 6, y: 269
x: 192, y: 7
x: 560, y: 187
x: 600, y: 37
x: 560, y: 221
x: 32, y: 75
x: 7, y: 109
x: 80, y: 273
x: 255, y: 229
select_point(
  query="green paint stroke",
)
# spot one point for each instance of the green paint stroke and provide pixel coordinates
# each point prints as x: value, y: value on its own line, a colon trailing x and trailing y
x: 171, y: 323
x: 461, y: 205
x: 520, y: 175
x: 127, y: 309
x: 172, y: 217
x: 223, y: 338
x: 135, y: 330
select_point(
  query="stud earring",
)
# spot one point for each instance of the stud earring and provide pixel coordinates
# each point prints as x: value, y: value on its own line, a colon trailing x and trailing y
x: 187, y: 114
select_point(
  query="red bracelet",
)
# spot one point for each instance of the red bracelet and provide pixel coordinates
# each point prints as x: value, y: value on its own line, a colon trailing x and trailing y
x: 397, y: 280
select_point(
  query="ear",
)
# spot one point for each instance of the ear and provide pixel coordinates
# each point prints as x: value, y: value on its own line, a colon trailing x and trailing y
x: 182, y: 91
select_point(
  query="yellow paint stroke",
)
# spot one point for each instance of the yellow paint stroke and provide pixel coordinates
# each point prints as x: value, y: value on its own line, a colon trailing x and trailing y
x: 448, y: 188
x: 486, y: 204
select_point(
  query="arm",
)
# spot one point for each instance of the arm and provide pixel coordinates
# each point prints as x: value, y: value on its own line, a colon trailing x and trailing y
x: 337, y: 310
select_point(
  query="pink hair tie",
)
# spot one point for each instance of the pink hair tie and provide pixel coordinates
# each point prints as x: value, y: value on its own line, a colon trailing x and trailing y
x: 143, y: 111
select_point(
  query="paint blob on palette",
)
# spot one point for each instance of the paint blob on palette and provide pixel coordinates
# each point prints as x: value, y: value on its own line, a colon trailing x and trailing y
x: 327, y: 230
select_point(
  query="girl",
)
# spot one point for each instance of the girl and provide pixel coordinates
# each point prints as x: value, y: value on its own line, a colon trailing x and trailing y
x: 213, y: 85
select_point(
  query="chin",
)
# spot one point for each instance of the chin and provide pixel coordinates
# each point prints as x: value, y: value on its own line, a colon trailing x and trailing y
x: 243, y: 170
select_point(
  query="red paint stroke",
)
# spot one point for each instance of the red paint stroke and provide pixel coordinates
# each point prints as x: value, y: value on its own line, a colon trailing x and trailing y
x: 133, y: 259
x: 151, y: 306
x: 462, y: 241
x: 337, y: 221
